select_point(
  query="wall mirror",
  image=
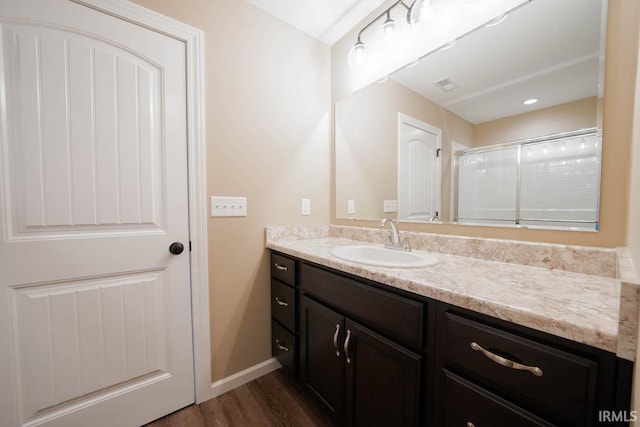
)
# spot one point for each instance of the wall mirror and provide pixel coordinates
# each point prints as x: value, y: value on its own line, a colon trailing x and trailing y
x: 499, y: 127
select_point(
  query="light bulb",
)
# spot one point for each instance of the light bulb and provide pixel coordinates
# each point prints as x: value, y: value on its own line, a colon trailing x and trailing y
x: 356, y: 55
x: 416, y: 11
x: 388, y: 31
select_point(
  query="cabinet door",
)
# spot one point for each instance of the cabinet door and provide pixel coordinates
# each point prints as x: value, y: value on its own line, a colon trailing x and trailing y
x: 322, y: 368
x: 382, y: 380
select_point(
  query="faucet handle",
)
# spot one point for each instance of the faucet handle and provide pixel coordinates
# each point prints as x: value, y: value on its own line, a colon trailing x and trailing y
x: 389, y: 238
x: 405, y: 244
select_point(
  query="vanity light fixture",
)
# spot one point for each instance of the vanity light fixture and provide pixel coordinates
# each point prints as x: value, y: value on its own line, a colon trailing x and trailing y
x: 530, y: 101
x: 414, y: 15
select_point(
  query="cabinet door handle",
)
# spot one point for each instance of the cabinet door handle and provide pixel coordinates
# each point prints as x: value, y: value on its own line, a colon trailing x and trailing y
x: 346, y: 346
x: 281, y: 267
x: 282, y: 303
x: 280, y: 346
x: 506, y: 362
x: 335, y: 340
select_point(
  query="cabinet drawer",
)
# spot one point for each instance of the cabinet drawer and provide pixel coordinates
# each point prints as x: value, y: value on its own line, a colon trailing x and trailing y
x: 466, y: 404
x: 283, y: 347
x: 394, y: 316
x: 283, y: 304
x: 283, y: 269
x: 564, y: 390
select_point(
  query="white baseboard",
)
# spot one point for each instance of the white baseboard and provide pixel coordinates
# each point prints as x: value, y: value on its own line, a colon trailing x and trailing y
x: 236, y: 380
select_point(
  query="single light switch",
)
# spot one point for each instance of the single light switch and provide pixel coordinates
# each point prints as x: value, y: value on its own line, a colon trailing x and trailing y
x: 306, y: 207
x: 351, y: 207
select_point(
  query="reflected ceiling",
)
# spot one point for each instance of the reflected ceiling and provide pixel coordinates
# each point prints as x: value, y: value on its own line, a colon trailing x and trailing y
x: 485, y: 92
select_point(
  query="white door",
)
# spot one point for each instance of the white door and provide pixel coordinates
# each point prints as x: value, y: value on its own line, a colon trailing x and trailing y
x: 418, y: 170
x: 95, y: 318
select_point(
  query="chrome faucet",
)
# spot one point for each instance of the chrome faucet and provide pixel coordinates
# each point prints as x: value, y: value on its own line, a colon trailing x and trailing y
x: 393, y: 236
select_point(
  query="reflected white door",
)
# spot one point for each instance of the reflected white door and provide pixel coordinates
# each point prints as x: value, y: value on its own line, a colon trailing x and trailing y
x: 418, y: 170
x: 95, y: 318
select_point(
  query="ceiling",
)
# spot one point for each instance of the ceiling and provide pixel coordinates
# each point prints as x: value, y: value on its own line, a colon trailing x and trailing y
x: 546, y: 49
x: 325, y: 20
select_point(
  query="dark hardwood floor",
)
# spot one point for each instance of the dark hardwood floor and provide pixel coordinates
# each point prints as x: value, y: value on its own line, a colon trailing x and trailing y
x: 272, y: 400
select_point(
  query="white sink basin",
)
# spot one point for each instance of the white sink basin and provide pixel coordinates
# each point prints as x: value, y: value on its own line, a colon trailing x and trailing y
x: 381, y: 257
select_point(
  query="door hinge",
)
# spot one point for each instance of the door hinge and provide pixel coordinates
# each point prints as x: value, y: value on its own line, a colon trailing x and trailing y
x: 438, y: 152
x: 189, y: 245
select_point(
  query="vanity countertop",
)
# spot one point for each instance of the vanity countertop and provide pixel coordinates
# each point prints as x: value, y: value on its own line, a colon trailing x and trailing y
x: 580, y: 307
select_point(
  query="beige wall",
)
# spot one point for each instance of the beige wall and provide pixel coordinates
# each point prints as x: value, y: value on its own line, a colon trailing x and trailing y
x: 579, y: 114
x: 622, y: 54
x: 366, y: 127
x: 633, y: 229
x: 268, y: 118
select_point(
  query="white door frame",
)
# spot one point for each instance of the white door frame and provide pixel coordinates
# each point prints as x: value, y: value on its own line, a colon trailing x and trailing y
x: 193, y: 39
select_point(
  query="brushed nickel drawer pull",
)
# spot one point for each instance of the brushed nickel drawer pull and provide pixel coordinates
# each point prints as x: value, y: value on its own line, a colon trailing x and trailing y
x: 335, y: 340
x: 281, y: 267
x: 282, y: 303
x: 346, y: 346
x: 506, y: 362
x: 280, y: 346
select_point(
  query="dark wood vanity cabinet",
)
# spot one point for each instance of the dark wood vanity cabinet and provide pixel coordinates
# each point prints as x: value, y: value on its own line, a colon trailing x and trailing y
x: 375, y: 355
x: 362, y: 378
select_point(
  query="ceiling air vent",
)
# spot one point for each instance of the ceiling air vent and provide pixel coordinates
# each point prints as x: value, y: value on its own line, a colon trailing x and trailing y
x: 445, y: 84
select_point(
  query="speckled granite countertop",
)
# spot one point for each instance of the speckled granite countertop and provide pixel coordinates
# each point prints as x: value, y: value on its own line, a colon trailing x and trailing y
x: 573, y: 305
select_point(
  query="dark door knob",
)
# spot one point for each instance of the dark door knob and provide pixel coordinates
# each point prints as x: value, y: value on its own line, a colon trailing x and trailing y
x: 176, y: 248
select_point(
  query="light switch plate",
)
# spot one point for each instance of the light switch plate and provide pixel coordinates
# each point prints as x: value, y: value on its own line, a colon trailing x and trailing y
x: 351, y: 207
x: 228, y: 206
x: 306, y: 207
x: 390, y: 206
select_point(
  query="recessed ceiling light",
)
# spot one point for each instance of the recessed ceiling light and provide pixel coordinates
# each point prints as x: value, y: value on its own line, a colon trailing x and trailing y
x: 530, y: 101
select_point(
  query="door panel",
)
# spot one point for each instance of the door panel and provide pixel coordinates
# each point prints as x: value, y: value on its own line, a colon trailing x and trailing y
x: 87, y: 113
x: 97, y: 325
x: 321, y: 366
x: 84, y: 337
x: 374, y: 364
